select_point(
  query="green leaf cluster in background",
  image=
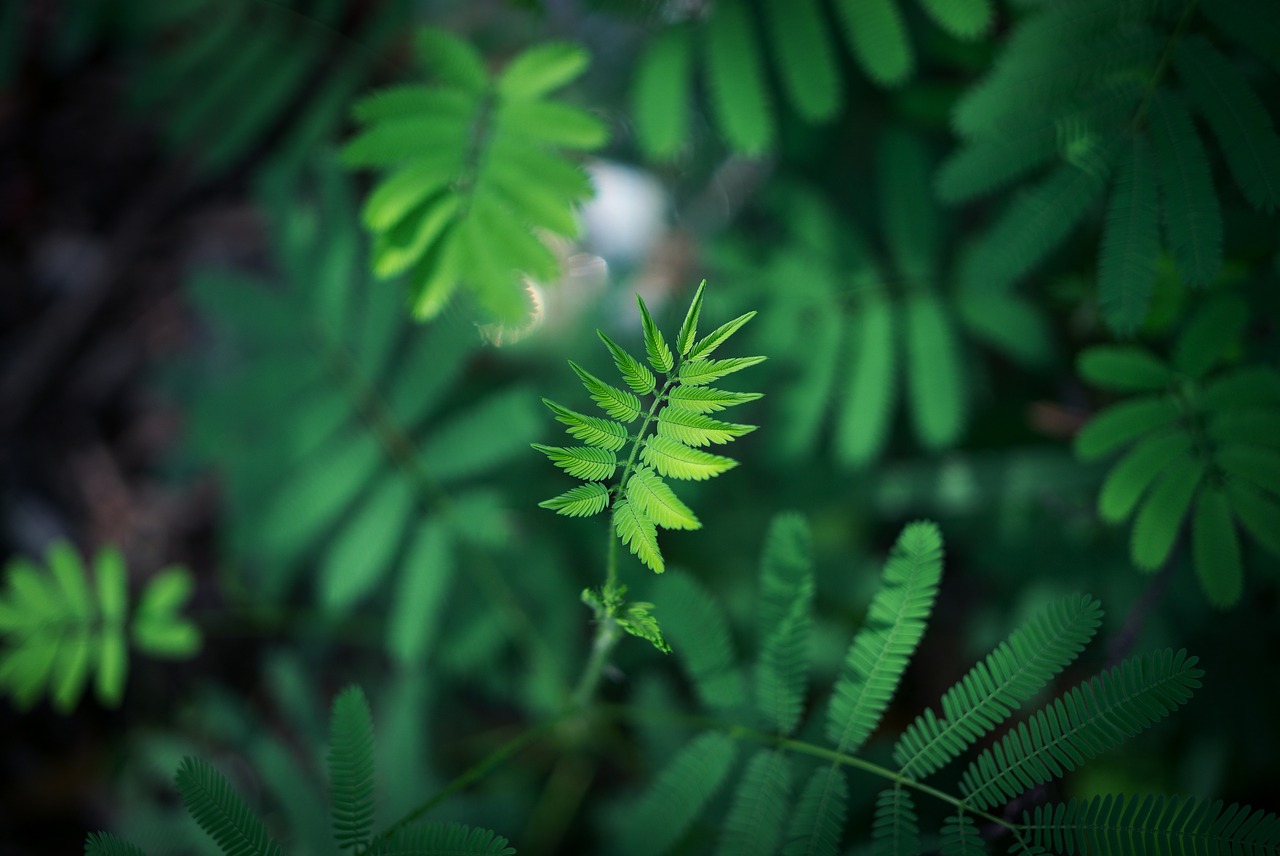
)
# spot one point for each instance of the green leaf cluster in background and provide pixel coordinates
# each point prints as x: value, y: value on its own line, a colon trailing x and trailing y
x: 477, y: 177
x: 62, y: 627
x: 1202, y: 447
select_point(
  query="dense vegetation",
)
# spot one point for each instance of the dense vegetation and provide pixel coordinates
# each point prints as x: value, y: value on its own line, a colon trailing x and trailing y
x: 992, y: 281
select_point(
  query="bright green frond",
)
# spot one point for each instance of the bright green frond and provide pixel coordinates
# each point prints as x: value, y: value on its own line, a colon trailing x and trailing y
x: 1237, y: 118
x: 736, y: 79
x: 876, y: 33
x: 678, y: 795
x: 1090, y: 719
x: 706, y: 399
x: 581, y: 501
x: 1124, y: 368
x: 592, y: 430
x: 618, y: 403
x: 1130, y: 243
x: 655, y: 500
x: 638, y: 534
x: 689, y: 327
x: 1134, y: 473
x: 351, y: 771
x: 1159, y: 520
x: 674, y: 459
x: 434, y: 838
x: 655, y: 346
x: 1215, y: 548
x: 1123, y: 423
x: 757, y: 818
x: 221, y: 812
x: 1119, y: 825
x: 585, y: 462
x: 541, y: 70
x: 1191, y: 213
x: 699, y: 372
x: 696, y: 429
x: 805, y: 57
x: 895, y: 623
x: 818, y: 820
x: 993, y: 689
x: 635, y: 373
x: 895, y: 831
x: 452, y: 60
x: 660, y: 93
x: 707, y: 345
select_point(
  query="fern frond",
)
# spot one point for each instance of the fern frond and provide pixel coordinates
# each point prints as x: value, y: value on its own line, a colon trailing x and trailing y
x: 654, y: 498
x: 351, y: 772
x: 1122, y: 423
x: 707, y: 345
x: 689, y: 326
x: 935, y: 386
x: 1130, y: 243
x: 1192, y: 216
x: 677, y: 796
x: 1117, y: 825
x: 818, y: 820
x: 699, y: 372
x: 699, y: 632
x: 106, y: 844
x: 660, y: 93
x: 736, y: 79
x: 875, y: 32
x: 618, y: 403
x: 1124, y: 368
x: 706, y: 399
x: 581, y: 501
x: 870, y: 392
x: 1130, y: 478
x: 655, y: 346
x: 696, y: 429
x: 585, y: 462
x: 993, y: 689
x: 637, y: 532
x: 434, y: 838
x: 960, y: 837
x: 895, y: 831
x: 1088, y: 720
x: 786, y: 570
x: 602, y: 433
x: 782, y: 669
x: 758, y: 815
x: 635, y: 373
x: 221, y: 812
x: 1237, y: 117
x: 804, y: 57
x: 895, y: 623
x: 674, y: 459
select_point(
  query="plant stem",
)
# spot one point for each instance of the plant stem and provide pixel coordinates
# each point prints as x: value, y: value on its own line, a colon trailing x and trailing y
x: 608, y: 632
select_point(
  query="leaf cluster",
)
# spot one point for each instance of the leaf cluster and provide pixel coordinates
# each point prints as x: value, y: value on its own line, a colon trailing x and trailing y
x: 59, y: 627
x: 1200, y: 437
x: 1103, y: 95
x: 476, y: 178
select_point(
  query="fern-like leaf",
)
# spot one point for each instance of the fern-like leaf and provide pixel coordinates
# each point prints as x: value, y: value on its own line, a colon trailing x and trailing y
x: 1131, y: 243
x: 699, y: 372
x: 689, y: 326
x: 996, y: 687
x: 601, y: 433
x: 785, y: 621
x: 960, y: 837
x: 895, y: 623
x: 699, y: 632
x: 351, y: 773
x: 696, y: 429
x: 677, y: 796
x: 862, y: 426
x: 935, y: 387
x: 635, y: 373
x: 654, y: 498
x: 1117, y: 825
x: 706, y: 399
x: 818, y: 820
x: 1123, y: 367
x: 618, y: 403
x: 735, y: 71
x: 585, y: 462
x: 1130, y: 478
x: 895, y: 831
x: 660, y: 93
x: 674, y: 459
x: 1088, y: 720
x: 106, y: 844
x: 1124, y: 423
x: 707, y: 345
x: 1159, y: 520
x: 1192, y: 216
x: 1237, y: 118
x: 221, y: 812
x: 581, y: 501
x: 874, y: 29
x: 655, y: 346
x: 805, y: 57
x: 442, y: 839
x: 637, y: 532
x: 757, y: 818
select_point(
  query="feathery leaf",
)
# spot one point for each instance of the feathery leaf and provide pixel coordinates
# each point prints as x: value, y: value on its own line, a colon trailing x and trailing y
x: 689, y: 327
x: 221, y: 812
x: 1192, y: 216
x: 895, y: 830
x: 618, y: 403
x: 654, y: 498
x: 635, y: 373
x: 756, y: 819
x: 866, y: 409
x: 696, y: 429
x: 736, y: 79
x: 677, y: 796
x: 601, y: 433
x: 874, y: 30
x: 1122, y: 423
x: 351, y: 772
x: 660, y: 93
x: 585, y: 462
x: 638, y: 534
x: 1131, y: 243
x: 675, y: 460
x: 699, y: 372
x: 1160, y: 518
x: 659, y: 353
x: 581, y: 501
x: 818, y: 819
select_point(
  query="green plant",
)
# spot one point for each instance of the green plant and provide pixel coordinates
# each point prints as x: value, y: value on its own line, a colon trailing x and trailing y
x: 1203, y: 443
x: 476, y: 173
x: 237, y: 830
x: 59, y: 627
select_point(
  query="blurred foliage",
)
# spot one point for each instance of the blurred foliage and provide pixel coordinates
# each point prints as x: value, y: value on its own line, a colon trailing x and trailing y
x: 1027, y: 224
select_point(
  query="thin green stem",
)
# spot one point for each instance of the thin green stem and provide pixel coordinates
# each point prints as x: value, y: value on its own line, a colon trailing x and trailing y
x: 608, y: 632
